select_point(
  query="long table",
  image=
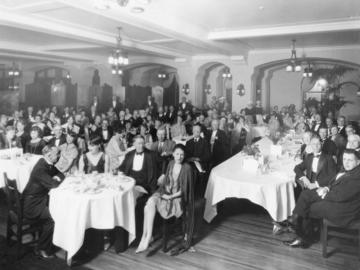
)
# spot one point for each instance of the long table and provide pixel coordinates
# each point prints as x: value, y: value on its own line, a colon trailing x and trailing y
x: 273, y: 190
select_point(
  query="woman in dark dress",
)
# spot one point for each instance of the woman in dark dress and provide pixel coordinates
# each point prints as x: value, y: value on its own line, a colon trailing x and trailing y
x: 95, y: 160
x: 21, y: 134
x: 36, y: 143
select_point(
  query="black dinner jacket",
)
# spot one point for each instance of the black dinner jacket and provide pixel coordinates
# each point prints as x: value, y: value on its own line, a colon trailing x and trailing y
x: 341, y: 204
x: 325, y: 171
x: 150, y: 166
x: 171, y: 117
x: 188, y: 107
x: 342, y: 132
x: 200, y: 149
x: 329, y: 147
x: 35, y: 194
x: 220, y: 148
x: 51, y: 142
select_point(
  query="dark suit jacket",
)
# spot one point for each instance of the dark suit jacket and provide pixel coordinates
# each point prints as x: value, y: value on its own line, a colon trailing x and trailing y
x: 51, y: 142
x: 35, y: 194
x: 149, y: 166
x: 200, y: 149
x: 342, y: 132
x: 341, y: 204
x: 220, y: 148
x: 325, y: 171
x: 329, y: 147
x: 118, y: 107
x: 187, y: 107
x: 170, y: 117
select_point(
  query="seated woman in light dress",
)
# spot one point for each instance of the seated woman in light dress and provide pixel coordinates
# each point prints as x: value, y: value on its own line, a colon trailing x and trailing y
x: 95, y: 160
x: 288, y: 122
x: 170, y: 200
x: 178, y: 129
x: 68, y: 154
x: 238, y: 135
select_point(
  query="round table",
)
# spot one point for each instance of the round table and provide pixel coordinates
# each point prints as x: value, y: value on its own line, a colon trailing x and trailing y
x: 101, y: 201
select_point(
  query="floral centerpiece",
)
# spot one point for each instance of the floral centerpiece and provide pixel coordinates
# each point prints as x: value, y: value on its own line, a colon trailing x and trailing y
x: 254, y: 151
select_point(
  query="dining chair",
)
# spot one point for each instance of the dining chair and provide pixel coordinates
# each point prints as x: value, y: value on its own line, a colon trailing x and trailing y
x: 342, y: 232
x: 17, y: 225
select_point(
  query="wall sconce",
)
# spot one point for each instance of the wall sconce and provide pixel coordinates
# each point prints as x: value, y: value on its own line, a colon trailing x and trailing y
x: 68, y: 76
x: 161, y: 75
x: 186, y: 89
x: 226, y: 73
x: 208, y: 90
x: 240, y: 90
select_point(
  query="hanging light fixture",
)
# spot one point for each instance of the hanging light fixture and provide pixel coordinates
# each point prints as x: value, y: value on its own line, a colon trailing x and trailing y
x: 118, y: 59
x: 186, y: 89
x: 207, y: 89
x: 293, y: 66
x: 226, y: 73
x: 308, y: 71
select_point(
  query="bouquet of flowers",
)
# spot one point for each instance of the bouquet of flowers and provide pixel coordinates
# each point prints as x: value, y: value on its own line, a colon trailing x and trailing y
x: 252, y: 150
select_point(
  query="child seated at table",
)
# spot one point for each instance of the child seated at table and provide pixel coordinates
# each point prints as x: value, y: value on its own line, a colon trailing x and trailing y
x: 95, y: 160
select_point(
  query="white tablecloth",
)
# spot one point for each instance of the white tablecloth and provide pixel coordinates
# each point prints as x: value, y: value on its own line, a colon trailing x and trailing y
x: 19, y: 169
x: 274, y: 190
x: 81, y: 202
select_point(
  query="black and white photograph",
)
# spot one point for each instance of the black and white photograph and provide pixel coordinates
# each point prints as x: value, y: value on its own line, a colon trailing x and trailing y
x: 179, y: 134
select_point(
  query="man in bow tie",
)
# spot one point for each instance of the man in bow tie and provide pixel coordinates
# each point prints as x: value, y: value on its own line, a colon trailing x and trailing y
x: 140, y: 164
x: 338, y: 201
x: 315, y: 170
x: 43, y: 177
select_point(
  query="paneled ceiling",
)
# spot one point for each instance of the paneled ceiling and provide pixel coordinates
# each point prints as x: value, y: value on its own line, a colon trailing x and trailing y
x: 78, y: 30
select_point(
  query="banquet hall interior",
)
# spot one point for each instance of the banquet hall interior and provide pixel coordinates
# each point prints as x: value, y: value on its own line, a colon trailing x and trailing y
x: 179, y: 134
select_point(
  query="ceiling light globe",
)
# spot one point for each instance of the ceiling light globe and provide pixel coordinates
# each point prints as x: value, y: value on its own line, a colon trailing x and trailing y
x: 289, y: 68
x: 298, y: 68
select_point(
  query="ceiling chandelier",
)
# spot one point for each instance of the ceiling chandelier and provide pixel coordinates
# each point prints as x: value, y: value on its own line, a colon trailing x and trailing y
x: 294, y: 64
x: 118, y: 59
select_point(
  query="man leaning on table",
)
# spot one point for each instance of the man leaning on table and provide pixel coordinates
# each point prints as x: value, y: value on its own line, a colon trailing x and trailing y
x: 339, y: 202
x: 315, y: 170
x: 43, y: 177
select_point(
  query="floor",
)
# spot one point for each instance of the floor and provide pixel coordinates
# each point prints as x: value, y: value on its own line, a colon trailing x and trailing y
x: 240, y: 238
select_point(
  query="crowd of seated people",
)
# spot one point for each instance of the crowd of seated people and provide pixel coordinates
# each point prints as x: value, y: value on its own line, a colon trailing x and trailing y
x: 141, y: 144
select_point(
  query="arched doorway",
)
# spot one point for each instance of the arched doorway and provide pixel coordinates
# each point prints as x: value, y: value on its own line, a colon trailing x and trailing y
x: 211, y: 75
x: 142, y: 79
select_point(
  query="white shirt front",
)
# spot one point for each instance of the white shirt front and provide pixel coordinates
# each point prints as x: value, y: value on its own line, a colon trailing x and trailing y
x: 114, y: 104
x: 57, y: 142
x: 105, y: 134
x: 213, y: 136
x: 315, y: 164
x: 138, y: 162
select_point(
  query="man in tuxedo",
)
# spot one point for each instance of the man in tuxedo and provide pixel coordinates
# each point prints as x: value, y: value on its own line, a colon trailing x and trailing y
x: 328, y: 146
x: 65, y: 115
x: 59, y: 138
x: 316, y: 124
x: 218, y: 144
x: 163, y: 148
x: 161, y: 115
x: 171, y: 115
x: 140, y: 164
x: 341, y: 126
x: 197, y: 151
x: 184, y: 105
x: 315, y: 170
x: 116, y: 105
x: 339, y: 201
x: 106, y: 131
x: 151, y: 104
x: 43, y: 177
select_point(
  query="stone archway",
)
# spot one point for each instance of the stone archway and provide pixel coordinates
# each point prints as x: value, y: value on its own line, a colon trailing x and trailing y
x: 211, y: 73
